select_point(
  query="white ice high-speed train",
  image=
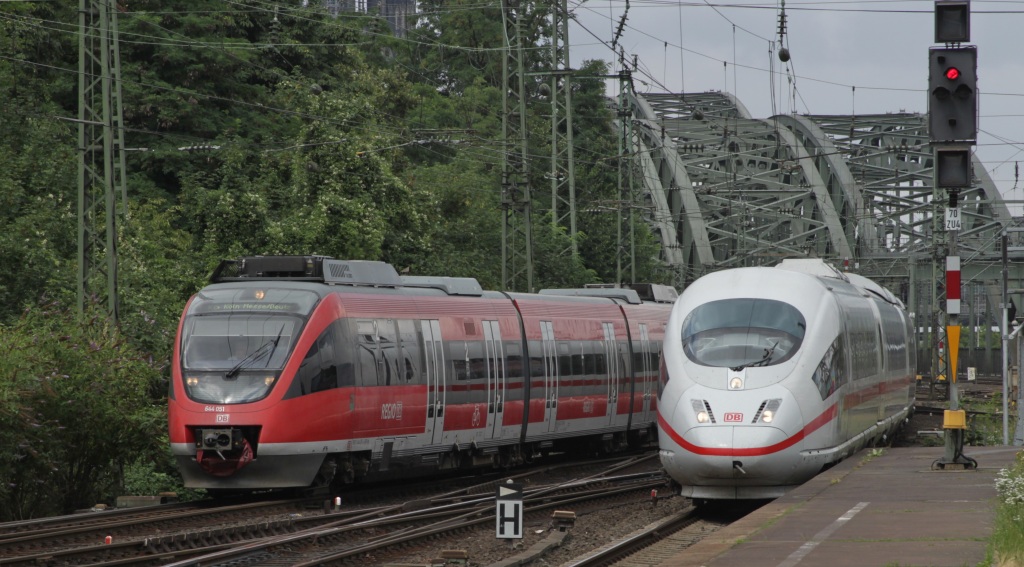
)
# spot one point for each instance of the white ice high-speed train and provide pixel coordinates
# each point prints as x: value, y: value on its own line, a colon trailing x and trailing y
x: 771, y: 374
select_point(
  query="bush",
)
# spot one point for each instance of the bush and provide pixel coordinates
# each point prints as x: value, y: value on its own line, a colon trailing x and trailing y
x: 1008, y: 534
x: 144, y: 478
x: 75, y: 410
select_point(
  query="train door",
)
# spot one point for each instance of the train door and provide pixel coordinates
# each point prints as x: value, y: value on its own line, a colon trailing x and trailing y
x: 547, y: 334
x: 627, y: 381
x: 433, y: 354
x: 495, y: 355
x: 611, y: 369
x: 644, y: 372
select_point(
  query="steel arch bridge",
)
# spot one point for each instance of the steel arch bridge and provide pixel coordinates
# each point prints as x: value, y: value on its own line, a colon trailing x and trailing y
x: 722, y: 189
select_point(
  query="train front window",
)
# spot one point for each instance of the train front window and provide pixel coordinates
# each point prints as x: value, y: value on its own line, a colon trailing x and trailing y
x: 742, y: 333
x: 237, y: 342
x: 231, y: 354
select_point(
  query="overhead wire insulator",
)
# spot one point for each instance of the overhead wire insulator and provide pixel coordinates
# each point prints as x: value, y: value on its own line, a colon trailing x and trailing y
x: 783, y: 50
x: 622, y: 24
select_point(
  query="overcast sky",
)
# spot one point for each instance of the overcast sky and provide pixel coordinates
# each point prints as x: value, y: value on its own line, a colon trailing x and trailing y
x: 880, y: 47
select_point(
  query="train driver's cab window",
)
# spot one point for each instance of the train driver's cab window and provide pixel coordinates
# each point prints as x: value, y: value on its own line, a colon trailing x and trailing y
x: 327, y: 364
x: 743, y: 333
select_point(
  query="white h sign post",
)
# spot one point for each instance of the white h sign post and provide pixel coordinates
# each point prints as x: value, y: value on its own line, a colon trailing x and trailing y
x: 509, y: 512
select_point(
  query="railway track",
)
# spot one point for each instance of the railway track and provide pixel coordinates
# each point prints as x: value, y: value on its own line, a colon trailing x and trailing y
x: 48, y: 536
x: 661, y: 541
x: 293, y: 531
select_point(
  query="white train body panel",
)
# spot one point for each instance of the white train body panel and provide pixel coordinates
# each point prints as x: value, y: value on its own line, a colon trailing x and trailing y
x: 771, y: 374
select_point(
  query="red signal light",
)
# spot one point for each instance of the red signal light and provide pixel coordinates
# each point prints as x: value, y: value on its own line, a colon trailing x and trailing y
x: 952, y: 73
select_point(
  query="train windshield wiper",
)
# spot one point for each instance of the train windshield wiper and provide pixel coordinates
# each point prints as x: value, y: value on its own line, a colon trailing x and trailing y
x: 765, y: 359
x: 256, y: 355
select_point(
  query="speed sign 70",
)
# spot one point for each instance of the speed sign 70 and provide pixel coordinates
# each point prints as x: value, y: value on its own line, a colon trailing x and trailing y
x: 953, y: 218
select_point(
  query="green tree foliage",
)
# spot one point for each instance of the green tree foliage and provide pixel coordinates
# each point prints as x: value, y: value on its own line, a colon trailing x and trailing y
x: 157, y: 270
x: 75, y: 408
x: 253, y: 128
x: 460, y: 42
x: 37, y: 191
x: 331, y: 191
x: 463, y: 234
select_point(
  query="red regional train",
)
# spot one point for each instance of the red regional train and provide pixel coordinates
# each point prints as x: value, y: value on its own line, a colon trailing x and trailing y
x: 303, y: 371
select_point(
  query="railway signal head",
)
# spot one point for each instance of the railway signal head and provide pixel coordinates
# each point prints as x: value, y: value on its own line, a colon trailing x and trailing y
x: 953, y: 94
x: 953, y: 168
x: 952, y: 21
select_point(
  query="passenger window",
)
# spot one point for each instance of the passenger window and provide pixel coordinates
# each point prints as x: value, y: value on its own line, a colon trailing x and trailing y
x: 319, y: 369
x: 368, y: 353
x: 308, y: 370
x: 514, y: 363
x: 344, y: 344
x: 388, y: 336
x: 409, y: 340
x: 327, y: 377
x: 589, y: 361
x: 459, y: 356
x: 477, y: 362
x: 565, y: 364
x: 536, y: 368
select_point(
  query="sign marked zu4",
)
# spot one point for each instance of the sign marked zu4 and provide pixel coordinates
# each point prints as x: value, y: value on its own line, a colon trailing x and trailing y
x: 953, y: 221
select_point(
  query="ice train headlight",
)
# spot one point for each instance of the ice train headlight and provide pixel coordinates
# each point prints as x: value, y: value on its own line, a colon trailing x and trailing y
x: 736, y: 383
x: 702, y: 411
x: 766, y: 413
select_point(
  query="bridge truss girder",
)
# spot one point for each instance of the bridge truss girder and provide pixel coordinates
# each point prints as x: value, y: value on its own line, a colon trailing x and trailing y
x: 722, y: 190
x: 736, y: 190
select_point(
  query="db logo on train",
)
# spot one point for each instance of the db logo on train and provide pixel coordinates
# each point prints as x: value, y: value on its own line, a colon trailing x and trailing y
x: 733, y: 417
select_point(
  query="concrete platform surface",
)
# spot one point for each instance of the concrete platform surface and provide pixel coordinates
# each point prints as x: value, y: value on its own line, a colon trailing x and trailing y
x: 889, y: 510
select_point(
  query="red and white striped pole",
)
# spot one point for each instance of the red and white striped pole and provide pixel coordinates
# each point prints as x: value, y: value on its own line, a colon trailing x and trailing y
x: 953, y: 285
x: 953, y: 309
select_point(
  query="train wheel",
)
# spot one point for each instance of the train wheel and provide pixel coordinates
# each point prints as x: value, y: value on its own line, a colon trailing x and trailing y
x: 504, y: 458
x: 451, y: 460
x: 345, y: 472
x: 326, y: 474
x: 607, y: 447
x: 637, y: 439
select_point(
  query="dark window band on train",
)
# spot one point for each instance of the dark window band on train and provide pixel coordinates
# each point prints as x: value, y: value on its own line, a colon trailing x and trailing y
x: 830, y: 374
x: 373, y: 350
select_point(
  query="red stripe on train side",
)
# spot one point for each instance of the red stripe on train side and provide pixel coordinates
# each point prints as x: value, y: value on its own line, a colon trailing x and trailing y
x: 851, y: 400
x: 815, y: 424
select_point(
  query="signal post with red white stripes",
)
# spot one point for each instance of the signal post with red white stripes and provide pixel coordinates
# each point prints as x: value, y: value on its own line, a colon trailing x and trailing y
x: 953, y: 130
